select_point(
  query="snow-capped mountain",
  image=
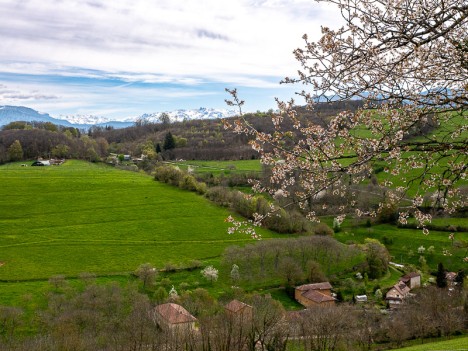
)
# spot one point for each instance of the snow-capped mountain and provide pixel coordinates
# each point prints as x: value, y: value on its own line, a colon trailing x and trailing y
x: 183, y: 115
x: 10, y: 114
x: 85, y: 119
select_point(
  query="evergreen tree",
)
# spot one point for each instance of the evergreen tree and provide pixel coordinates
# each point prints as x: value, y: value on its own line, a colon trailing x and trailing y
x: 158, y: 148
x: 441, y: 278
x: 169, y: 142
x: 460, y: 278
x: 15, y: 151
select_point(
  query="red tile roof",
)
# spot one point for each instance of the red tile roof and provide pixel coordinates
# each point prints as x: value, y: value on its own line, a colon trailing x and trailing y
x: 315, y: 286
x: 174, y: 314
x: 317, y: 296
x: 235, y: 306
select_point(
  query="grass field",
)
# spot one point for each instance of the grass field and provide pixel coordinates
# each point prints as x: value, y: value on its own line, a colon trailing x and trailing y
x: 403, y: 244
x: 226, y: 167
x: 458, y: 344
x: 82, y: 217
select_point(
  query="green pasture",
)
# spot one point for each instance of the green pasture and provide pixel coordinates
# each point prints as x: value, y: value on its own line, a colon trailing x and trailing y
x: 458, y: 344
x: 225, y: 167
x: 403, y: 244
x: 83, y: 217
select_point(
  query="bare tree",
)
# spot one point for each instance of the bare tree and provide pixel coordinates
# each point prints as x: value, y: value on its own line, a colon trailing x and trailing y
x: 325, y: 328
x: 408, y: 61
x: 267, y: 329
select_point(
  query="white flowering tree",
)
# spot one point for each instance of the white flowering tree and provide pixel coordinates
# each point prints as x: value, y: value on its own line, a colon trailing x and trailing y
x: 408, y: 62
x: 210, y: 273
x: 235, y: 275
x: 173, y: 295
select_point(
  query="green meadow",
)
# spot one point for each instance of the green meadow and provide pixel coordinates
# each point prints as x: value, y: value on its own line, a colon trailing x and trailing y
x: 406, y: 246
x: 457, y: 344
x: 225, y: 167
x: 84, y: 217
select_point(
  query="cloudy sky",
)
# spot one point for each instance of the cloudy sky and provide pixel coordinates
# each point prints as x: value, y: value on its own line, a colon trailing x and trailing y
x: 122, y: 58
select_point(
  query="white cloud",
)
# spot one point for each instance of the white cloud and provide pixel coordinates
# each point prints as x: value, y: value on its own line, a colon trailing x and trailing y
x: 200, y: 39
x: 125, y: 57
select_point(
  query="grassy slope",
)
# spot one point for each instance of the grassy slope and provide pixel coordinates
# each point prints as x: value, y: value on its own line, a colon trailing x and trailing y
x: 84, y: 217
x: 405, y: 240
x: 453, y: 345
x: 226, y: 167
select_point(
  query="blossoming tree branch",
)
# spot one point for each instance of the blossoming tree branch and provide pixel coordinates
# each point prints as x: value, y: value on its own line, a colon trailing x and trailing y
x: 408, y: 62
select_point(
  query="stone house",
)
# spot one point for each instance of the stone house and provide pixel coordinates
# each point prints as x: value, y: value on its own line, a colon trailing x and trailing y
x: 171, y: 316
x: 397, y: 294
x: 318, y: 294
x: 412, y: 280
x: 239, y: 310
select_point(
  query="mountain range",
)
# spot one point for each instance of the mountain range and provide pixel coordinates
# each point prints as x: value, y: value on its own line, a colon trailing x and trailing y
x: 10, y: 114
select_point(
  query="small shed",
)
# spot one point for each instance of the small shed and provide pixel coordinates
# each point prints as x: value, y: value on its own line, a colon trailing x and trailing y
x: 361, y: 298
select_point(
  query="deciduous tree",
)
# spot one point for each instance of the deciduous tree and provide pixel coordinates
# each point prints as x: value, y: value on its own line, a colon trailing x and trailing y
x: 210, y: 273
x: 147, y: 274
x: 15, y: 151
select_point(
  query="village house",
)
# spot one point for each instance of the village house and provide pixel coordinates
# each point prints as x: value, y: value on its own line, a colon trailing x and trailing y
x: 401, y: 290
x: 412, y: 280
x: 318, y: 294
x: 397, y: 294
x: 239, y: 310
x: 171, y: 316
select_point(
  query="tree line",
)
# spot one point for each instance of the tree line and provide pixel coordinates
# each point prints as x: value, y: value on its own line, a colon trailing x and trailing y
x: 111, y: 317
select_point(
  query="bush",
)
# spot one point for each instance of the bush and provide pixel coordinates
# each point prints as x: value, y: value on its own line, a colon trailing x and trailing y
x: 323, y: 229
x: 387, y: 241
x: 188, y: 182
x: 168, y: 174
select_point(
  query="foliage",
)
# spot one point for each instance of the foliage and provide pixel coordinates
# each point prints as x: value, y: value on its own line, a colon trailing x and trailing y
x: 41, y: 140
x: 169, y: 142
x: 147, y: 274
x: 15, y: 151
x: 441, y: 278
x: 400, y: 241
x: 269, y: 261
x: 408, y: 64
x: 323, y: 229
x: 235, y: 275
x: 377, y: 258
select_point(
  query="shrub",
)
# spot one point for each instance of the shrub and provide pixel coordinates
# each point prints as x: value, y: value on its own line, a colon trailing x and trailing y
x: 323, y: 229
x: 387, y: 241
x: 188, y: 182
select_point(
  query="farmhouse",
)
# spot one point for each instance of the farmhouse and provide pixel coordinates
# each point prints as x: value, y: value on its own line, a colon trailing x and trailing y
x: 397, y: 294
x: 318, y: 294
x: 171, y: 316
x: 412, y: 280
x: 239, y: 310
